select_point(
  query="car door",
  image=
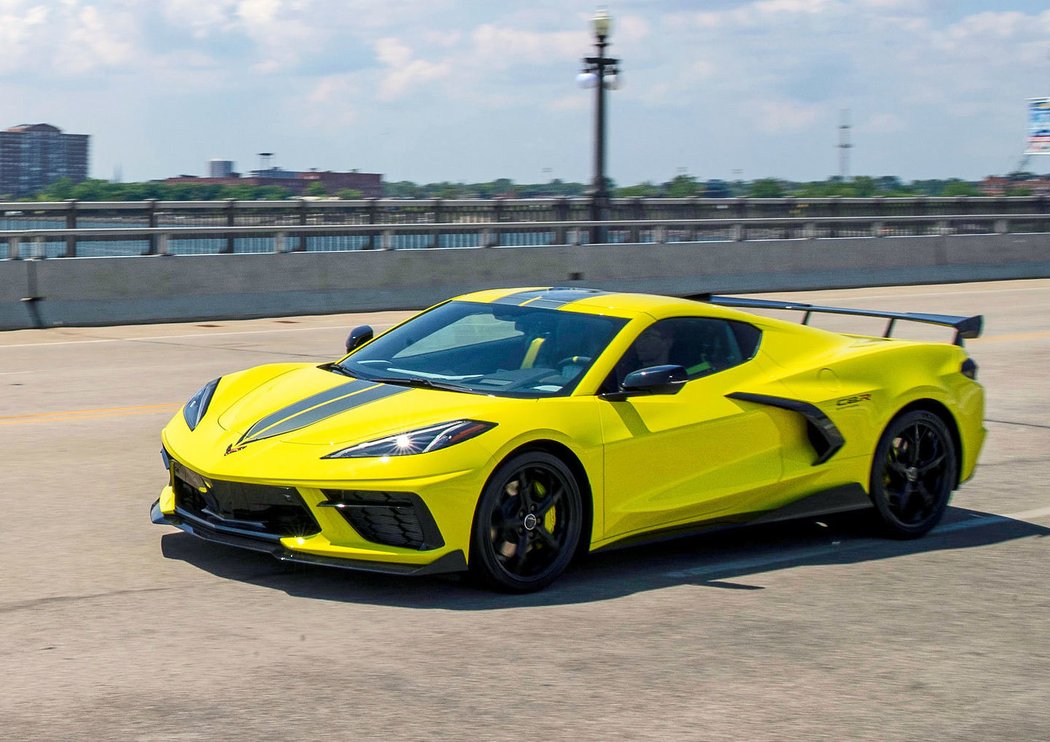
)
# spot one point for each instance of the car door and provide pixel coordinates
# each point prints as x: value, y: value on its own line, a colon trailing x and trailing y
x: 694, y: 455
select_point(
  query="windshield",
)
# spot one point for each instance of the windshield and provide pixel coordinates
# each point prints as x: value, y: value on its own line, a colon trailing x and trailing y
x: 495, y: 349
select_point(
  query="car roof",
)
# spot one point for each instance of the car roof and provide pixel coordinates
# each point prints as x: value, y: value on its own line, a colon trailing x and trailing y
x: 597, y: 301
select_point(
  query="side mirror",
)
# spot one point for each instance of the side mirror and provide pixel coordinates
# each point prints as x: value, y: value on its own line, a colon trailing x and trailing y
x: 358, y: 337
x: 653, y: 380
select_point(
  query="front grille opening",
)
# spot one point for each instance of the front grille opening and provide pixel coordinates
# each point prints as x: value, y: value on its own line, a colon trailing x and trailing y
x: 389, y: 518
x: 275, y: 512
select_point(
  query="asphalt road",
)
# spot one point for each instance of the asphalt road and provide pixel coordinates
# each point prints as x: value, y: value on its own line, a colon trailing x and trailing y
x: 114, y: 628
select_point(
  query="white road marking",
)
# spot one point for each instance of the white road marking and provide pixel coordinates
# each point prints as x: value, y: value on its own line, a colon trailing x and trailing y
x: 743, y: 565
x: 909, y: 295
x: 60, y: 342
x: 168, y: 337
x: 377, y: 325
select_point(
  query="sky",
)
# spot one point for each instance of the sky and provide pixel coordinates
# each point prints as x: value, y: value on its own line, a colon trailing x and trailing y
x: 474, y: 90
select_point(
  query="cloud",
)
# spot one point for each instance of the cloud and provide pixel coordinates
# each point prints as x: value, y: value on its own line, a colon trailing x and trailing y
x: 502, y: 47
x: 810, y: 7
x: 201, y: 18
x: 18, y: 25
x: 80, y: 39
x: 258, y: 12
x: 96, y: 40
x: 403, y: 73
x: 907, y: 6
x: 777, y: 116
x: 332, y: 103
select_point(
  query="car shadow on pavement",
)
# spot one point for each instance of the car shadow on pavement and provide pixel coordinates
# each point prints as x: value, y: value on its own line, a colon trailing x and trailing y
x: 726, y: 559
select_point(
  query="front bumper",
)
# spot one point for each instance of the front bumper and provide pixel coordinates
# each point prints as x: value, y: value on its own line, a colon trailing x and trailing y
x: 451, y: 561
x: 395, y: 516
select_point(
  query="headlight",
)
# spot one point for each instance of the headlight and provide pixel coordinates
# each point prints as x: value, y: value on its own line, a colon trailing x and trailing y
x: 198, y: 404
x: 416, y: 441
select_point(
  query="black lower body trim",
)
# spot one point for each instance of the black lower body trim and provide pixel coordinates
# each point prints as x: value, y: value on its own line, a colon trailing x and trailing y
x: 454, y: 561
x: 843, y: 499
x: 840, y: 499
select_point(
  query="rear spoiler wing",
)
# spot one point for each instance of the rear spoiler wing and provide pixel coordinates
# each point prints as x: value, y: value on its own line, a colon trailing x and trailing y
x: 966, y: 328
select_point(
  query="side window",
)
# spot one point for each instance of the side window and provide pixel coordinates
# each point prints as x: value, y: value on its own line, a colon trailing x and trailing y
x: 700, y: 345
x: 747, y: 337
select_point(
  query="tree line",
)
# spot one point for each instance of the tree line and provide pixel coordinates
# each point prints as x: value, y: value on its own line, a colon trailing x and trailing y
x: 104, y: 190
x: 688, y: 186
x: 681, y: 186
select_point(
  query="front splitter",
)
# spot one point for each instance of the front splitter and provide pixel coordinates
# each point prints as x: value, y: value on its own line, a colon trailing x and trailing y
x: 454, y: 561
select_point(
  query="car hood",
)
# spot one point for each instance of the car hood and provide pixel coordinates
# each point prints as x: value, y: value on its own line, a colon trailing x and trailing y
x: 313, y: 406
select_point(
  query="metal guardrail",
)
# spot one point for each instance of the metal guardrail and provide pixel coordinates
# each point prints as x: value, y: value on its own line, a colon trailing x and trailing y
x: 168, y: 240
x: 150, y: 214
x: 394, y: 211
x: 531, y: 222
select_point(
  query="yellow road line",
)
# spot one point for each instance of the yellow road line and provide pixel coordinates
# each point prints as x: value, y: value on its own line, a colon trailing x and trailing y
x: 47, y: 417
x: 1011, y: 336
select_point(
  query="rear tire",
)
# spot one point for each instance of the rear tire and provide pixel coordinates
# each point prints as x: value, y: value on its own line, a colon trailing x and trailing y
x: 527, y: 524
x: 913, y: 474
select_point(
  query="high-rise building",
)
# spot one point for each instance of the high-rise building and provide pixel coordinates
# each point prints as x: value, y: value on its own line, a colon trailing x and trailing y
x: 32, y: 156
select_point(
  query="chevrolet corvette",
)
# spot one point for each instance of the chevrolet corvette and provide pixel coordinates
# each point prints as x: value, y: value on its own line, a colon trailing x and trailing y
x: 505, y: 432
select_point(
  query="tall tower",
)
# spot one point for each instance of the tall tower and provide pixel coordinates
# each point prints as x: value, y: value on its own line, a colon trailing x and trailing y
x: 844, y: 145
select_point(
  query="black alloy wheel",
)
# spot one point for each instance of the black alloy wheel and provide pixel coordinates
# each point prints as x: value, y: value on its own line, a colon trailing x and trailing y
x: 527, y: 524
x: 913, y: 474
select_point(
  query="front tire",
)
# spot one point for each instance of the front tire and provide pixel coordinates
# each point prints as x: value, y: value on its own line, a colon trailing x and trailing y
x: 527, y: 524
x: 913, y: 474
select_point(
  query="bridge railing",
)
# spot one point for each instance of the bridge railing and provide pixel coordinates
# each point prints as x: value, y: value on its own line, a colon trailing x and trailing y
x: 151, y: 213
x: 289, y: 234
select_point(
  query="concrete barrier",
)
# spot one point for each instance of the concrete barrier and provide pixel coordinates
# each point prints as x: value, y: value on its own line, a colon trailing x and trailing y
x: 119, y: 290
x: 14, y: 284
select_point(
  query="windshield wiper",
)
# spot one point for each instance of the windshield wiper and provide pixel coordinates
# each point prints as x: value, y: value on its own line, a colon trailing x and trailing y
x: 416, y: 381
x: 422, y: 383
x: 337, y: 369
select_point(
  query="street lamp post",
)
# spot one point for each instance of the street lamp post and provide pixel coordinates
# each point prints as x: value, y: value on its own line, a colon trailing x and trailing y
x: 599, y: 72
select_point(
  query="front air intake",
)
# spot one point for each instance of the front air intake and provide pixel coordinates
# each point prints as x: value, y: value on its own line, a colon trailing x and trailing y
x: 389, y: 518
x: 248, y: 509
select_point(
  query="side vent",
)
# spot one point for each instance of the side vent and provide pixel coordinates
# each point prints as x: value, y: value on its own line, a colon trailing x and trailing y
x: 823, y: 435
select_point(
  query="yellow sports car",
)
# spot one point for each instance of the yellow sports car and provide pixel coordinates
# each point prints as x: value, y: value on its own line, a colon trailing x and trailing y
x: 505, y: 432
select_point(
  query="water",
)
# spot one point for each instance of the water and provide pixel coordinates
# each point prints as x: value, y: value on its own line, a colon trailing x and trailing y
x: 419, y: 238
x: 93, y: 248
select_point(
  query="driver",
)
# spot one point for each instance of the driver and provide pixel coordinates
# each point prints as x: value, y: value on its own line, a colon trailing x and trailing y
x: 653, y: 346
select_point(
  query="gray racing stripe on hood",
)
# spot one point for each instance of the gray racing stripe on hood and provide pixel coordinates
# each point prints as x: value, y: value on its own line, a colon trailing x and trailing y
x: 318, y: 407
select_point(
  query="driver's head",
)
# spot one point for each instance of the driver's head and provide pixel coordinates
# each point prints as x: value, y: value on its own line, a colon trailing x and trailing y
x: 654, y: 345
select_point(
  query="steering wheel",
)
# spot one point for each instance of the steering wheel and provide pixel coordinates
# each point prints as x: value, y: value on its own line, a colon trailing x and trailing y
x: 573, y: 360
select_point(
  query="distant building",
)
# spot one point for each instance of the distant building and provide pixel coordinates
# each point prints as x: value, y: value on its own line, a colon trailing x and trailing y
x: 220, y: 169
x: 1036, y: 185
x: 221, y: 172
x: 370, y: 184
x: 274, y: 173
x: 33, y: 157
